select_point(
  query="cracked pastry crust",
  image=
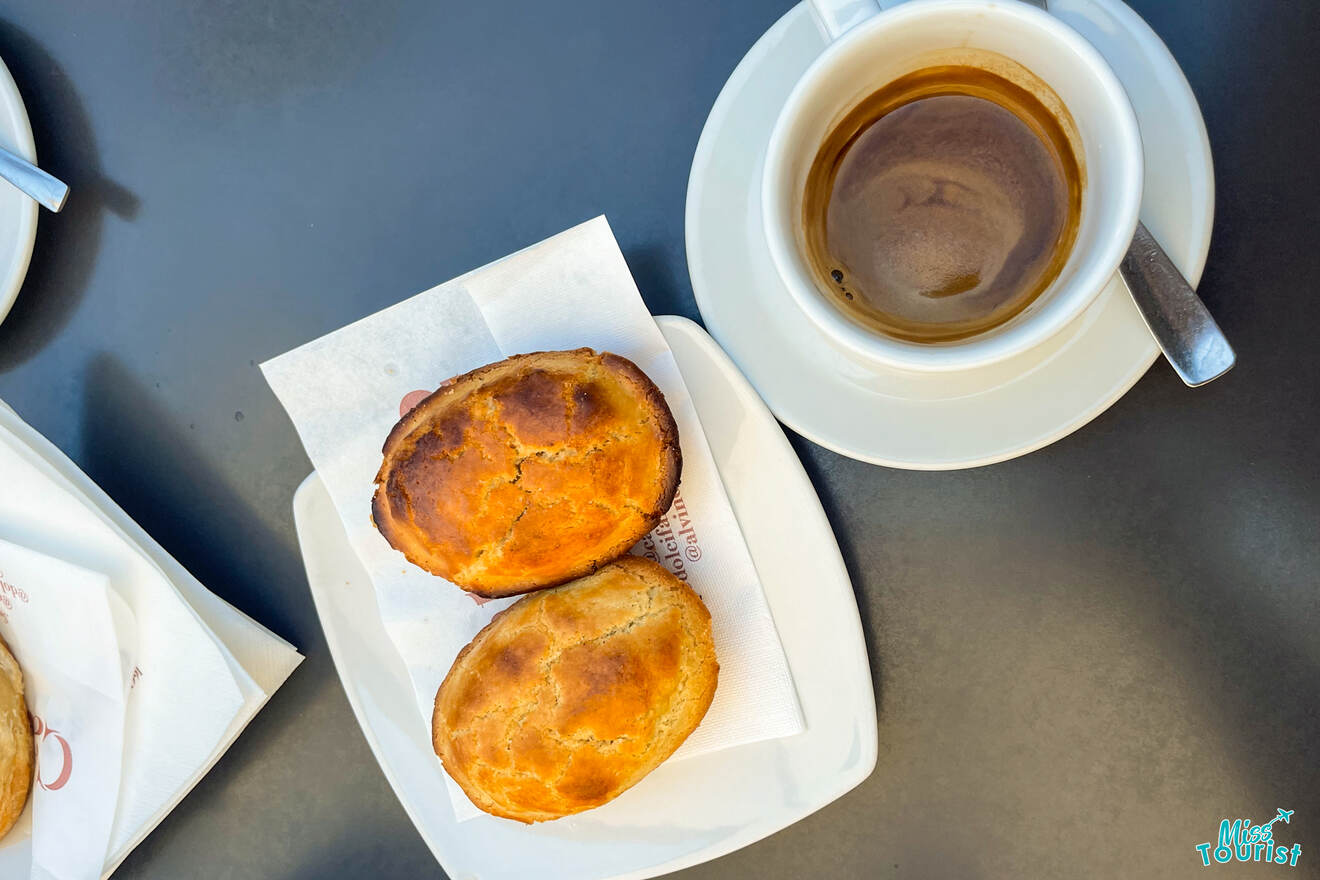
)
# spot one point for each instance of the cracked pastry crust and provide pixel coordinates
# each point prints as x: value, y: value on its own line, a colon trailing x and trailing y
x: 529, y: 472
x: 572, y: 695
x: 15, y: 742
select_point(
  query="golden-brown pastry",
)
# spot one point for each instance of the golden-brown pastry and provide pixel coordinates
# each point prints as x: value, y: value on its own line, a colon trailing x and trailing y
x: 15, y: 742
x: 572, y: 695
x: 529, y: 472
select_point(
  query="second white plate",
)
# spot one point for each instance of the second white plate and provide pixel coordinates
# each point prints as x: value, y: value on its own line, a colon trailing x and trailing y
x: 687, y: 811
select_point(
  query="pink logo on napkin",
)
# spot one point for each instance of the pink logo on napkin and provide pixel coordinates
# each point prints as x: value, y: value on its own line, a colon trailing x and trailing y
x: 674, y: 542
x: 40, y: 729
x: 410, y: 400
x: 9, y: 593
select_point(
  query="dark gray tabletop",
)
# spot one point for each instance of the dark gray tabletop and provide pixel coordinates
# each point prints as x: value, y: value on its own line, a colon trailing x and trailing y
x: 1084, y: 658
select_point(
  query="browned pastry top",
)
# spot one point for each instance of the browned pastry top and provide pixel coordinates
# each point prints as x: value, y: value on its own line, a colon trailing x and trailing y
x: 572, y: 695
x: 15, y: 742
x: 529, y: 472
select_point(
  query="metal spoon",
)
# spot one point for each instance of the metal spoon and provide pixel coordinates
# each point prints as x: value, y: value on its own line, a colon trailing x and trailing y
x: 1179, y: 321
x: 1181, y: 324
x: 46, y: 190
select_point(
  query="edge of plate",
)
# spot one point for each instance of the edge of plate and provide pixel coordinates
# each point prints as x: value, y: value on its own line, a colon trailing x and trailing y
x: 300, y: 504
x: 870, y: 738
x: 17, y: 270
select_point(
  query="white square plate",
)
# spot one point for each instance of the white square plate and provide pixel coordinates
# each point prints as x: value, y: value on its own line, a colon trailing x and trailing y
x: 687, y: 811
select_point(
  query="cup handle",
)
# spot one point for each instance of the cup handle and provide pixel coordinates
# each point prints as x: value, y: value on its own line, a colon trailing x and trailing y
x: 835, y: 17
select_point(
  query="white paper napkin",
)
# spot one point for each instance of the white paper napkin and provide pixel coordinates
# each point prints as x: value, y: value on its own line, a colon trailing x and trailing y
x: 259, y: 660
x: 186, y: 693
x: 346, y: 390
x: 74, y: 639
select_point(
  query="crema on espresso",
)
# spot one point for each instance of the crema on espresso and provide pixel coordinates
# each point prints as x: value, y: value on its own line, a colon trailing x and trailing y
x: 943, y: 204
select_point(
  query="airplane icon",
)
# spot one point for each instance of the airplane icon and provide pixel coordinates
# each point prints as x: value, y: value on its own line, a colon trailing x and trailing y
x: 1285, y: 815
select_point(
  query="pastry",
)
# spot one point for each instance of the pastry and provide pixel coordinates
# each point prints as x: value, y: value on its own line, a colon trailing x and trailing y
x: 15, y: 742
x: 572, y: 695
x: 529, y: 472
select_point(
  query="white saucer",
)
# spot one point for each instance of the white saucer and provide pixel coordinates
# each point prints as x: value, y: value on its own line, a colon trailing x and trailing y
x: 687, y: 811
x: 947, y: 420
x: 18, y: 213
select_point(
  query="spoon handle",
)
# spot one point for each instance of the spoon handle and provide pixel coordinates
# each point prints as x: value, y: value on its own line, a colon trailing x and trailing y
x: 43, y: 188
x: 1177, y: 318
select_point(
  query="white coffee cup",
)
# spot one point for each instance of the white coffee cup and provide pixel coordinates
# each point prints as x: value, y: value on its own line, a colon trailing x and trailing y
x: 870, y: 48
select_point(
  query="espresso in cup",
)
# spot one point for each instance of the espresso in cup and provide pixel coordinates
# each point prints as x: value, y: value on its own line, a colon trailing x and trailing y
x: 944, y: 203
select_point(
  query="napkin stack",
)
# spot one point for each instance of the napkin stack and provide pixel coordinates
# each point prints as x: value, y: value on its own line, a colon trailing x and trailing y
x: 346, y: 390
x: 137, y: 677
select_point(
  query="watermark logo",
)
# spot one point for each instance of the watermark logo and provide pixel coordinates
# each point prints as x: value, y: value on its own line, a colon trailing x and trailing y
x: 1241, y: 840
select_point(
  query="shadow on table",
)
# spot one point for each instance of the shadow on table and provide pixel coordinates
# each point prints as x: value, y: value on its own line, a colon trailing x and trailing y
x: 134, y: 452
x: 152, y: 469
x: 148, y: 466
x: 67, y: 242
